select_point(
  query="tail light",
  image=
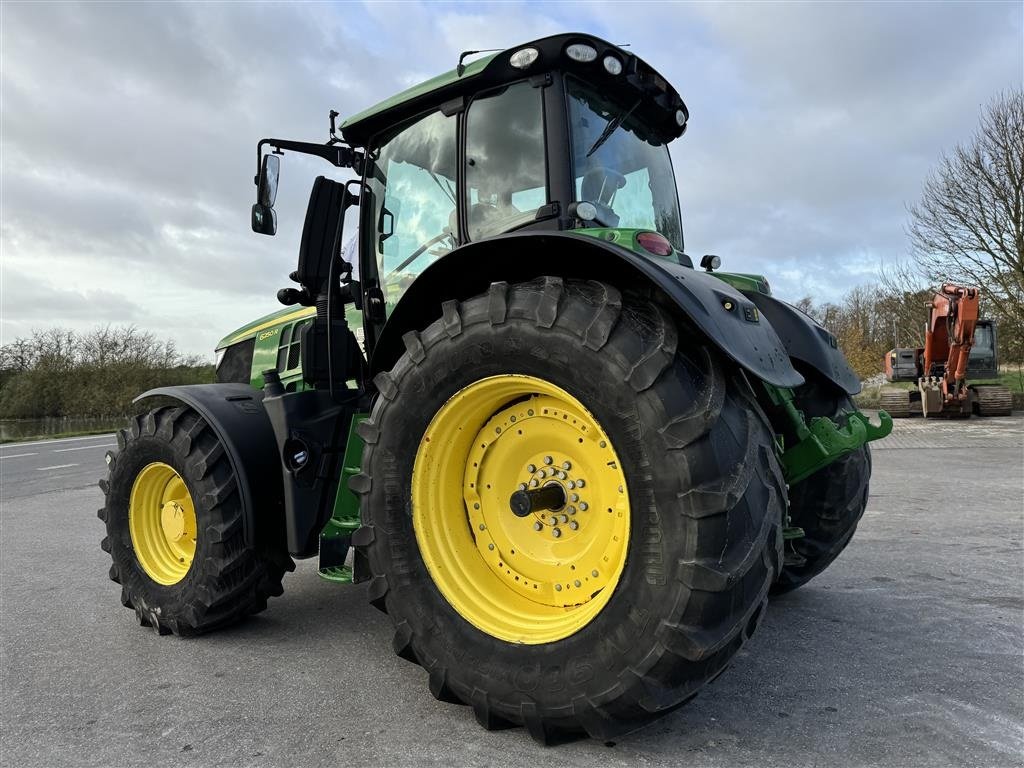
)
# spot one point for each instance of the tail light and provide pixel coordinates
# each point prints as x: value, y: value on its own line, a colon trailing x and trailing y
x: 655, y: 243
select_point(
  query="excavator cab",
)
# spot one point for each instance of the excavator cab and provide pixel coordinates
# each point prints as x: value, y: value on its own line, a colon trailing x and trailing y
x: 983, y: 362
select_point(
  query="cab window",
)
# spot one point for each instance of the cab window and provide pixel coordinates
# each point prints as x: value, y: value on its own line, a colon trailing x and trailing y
x: 506, y: 174
x: 413, y: 186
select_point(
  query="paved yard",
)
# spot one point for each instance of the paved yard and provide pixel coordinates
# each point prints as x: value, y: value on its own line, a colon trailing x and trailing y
x: 908, y: 651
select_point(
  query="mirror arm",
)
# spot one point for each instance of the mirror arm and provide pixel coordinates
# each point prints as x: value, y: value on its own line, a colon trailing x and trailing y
x: 338, y: 156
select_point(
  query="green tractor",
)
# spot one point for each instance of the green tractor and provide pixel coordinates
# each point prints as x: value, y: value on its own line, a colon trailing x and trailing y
x: 571, y: 467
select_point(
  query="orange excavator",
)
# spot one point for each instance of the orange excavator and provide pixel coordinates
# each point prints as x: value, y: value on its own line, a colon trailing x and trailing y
x: 940, y: 368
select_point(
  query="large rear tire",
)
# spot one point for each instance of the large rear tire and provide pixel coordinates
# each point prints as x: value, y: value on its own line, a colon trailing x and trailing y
x: 173, y: 516
x: 829, y: 504
x: 702, y: 503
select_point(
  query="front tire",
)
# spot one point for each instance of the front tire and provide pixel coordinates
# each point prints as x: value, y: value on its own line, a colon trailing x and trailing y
x: 702, y: 499
x: 173, y: 519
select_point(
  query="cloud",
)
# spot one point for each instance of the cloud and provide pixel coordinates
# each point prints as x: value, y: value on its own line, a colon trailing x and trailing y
x: 129, y: 134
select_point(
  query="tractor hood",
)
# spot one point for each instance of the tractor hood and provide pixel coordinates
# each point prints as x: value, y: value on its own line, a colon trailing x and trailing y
x: 266, y: 323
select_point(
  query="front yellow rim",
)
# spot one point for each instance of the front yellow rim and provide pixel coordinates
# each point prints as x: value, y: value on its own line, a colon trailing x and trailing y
x: 532, y: 579
x: 162, y: 523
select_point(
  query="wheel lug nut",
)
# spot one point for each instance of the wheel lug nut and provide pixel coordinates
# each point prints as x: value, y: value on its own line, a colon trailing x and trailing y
x: 558, y: 587
x: 522, y: 486
x: 533, y: 483
x: 594, y: 574
x: 572, y: 484
x: 561, y: 475
x: 572, y: 510
x: 574, y: 525
x: 574, y: 496
x: 563, y: 518
x: 531, y: 468
x: 548, y: 460
x: 566, y: 465
x: 580, y: 483
x: 603, y: 444
x: 537, y: 526
x: 556, y: 532
x: 576, y: 583
x: 583, y: 506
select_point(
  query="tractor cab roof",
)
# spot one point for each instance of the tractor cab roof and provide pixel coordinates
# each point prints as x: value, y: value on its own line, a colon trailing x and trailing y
x: 612, y: 69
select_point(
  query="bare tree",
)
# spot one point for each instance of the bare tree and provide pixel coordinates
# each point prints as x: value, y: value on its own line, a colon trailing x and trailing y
x: 904, y: 295
x: 969, y: 223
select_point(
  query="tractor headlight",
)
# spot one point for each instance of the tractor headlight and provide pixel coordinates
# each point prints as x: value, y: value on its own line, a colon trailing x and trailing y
x: 523, y: 58
x: 612, y: 65
x: 581, y: 53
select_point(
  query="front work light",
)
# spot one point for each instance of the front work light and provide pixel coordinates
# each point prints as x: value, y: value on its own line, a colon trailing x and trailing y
x: 581, y: 53
x: 523, y: 58
x: 612, y: 65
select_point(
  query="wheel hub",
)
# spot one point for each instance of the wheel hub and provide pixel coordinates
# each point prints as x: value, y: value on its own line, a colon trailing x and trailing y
x: 162, y: 523
x: 172, y: 520
x: 546, y: 505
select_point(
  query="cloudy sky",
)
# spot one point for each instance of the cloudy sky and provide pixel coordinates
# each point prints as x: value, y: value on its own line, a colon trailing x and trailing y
x: 129, y: 133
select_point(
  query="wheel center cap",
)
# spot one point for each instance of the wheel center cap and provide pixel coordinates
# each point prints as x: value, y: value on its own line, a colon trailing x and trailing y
x: 172, y: 520
x: 532, y: 500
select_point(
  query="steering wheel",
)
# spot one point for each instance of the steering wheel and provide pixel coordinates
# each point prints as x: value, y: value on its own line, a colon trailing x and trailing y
x: 420, y: 251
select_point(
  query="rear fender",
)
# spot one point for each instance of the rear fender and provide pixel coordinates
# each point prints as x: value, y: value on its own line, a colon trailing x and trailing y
x: 237, y: 417
x: 720, y: 313
x: 807, y: 342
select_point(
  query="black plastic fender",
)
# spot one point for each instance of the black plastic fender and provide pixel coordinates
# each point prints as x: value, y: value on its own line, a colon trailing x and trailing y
x: 236, y: 414
x: 726, y: 317
x: 807, y: 341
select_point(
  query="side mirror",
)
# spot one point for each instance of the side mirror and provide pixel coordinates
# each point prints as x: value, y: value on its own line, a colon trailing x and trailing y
x: 267, y: 185
x: 264, y: 219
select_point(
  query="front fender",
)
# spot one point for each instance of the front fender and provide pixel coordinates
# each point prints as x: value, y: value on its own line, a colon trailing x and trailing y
x: 237, y: 417
x: 724, y: 316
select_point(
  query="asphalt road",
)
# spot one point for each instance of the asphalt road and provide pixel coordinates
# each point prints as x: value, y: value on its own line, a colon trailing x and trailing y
x: 908, y: 651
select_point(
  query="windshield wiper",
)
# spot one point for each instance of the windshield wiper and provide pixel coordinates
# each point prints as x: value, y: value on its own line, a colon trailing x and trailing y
x: 447, y: 191
x: 609, y: 129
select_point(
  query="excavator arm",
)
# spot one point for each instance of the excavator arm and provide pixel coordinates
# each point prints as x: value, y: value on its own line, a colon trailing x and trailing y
x: 953, y: 316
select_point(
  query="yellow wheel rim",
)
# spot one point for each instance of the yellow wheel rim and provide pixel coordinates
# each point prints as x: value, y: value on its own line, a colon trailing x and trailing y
x: 536, y: 578
x: 162, y: 523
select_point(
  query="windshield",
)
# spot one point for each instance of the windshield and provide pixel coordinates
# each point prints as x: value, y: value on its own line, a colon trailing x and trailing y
x: 626, y: 173
x: 982, y: 341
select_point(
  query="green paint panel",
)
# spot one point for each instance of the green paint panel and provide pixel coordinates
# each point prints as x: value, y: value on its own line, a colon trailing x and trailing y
x: 745, y: 282
x: 627, y: 239
x: 345, y: 518
x: 623, y: 237
x: 274, y: 319
x: 822, y: 441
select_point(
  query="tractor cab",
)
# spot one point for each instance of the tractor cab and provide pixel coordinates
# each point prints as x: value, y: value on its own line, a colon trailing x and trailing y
x: 564, y: 133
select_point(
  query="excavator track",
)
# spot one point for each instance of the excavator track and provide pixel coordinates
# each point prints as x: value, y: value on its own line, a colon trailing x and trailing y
x: 897, y: 403
x: 993, y: 400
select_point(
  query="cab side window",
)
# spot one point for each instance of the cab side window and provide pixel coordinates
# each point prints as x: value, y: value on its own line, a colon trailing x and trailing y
x: 506, y: 174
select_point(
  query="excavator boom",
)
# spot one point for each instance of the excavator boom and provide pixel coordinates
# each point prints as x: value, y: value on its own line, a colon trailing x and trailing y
x: 949, y: 337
